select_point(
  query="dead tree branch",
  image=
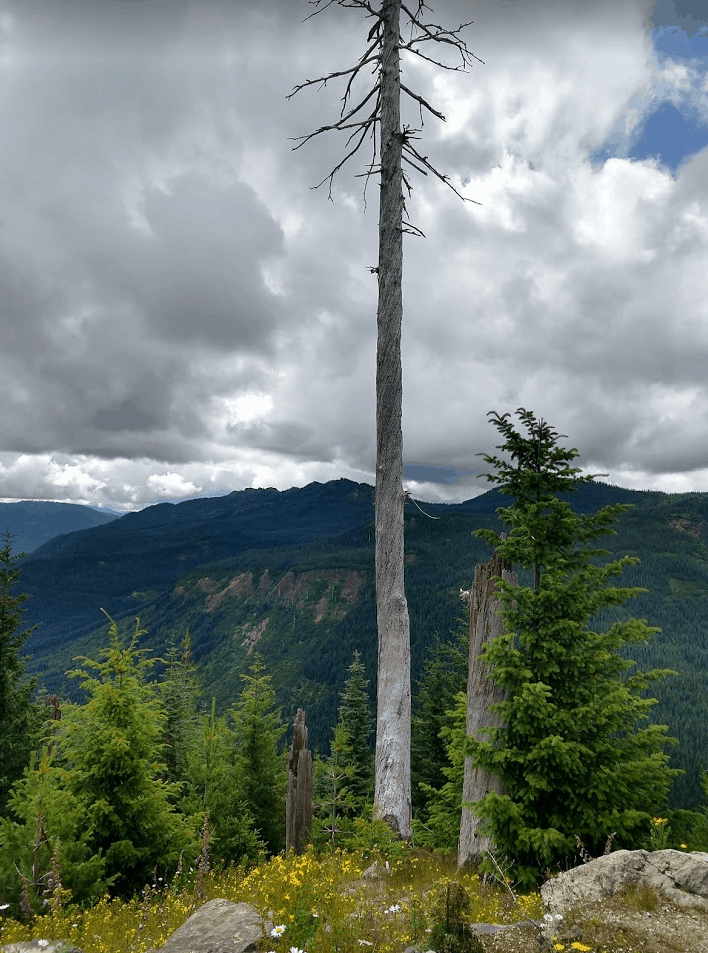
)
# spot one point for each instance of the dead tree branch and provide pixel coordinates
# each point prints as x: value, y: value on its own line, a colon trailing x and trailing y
x: 431, y: 31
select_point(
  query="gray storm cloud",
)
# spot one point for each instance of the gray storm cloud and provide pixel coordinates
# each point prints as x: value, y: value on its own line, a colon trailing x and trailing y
x: 181, y: 310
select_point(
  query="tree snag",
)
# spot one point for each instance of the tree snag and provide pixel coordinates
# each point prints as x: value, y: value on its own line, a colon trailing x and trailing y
x: 392, y: 779
x: 299, y: 797
x: 485, y: 625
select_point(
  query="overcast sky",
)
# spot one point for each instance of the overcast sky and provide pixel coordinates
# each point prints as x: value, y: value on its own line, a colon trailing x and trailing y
x: 182, y: 313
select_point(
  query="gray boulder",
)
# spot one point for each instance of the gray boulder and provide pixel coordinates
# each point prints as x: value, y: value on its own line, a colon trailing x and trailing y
x: 376, y: 872
x: 218, y: 927
x: 680, y: 877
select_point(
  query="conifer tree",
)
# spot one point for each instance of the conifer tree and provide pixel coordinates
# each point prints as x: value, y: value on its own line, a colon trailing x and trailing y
x: 343, y: 783
x: 20, y: 719
x: 569, y: 752
x: 334, y: 802
x: 43, y: 816
x: 357, y: 722
x: 444, y: 676
x: 112, y: 751
x: 179, y: 690
x: 214, y: 788
x: 261, y: 769
x: 438, y: 827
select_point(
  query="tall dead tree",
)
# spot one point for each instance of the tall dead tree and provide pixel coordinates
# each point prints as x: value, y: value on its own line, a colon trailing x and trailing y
x: 485, y: 624
x: 392, y: 778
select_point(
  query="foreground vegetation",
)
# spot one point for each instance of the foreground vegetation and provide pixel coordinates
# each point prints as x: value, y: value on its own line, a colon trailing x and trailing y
x: 305, y: 894
x: 318, y: 903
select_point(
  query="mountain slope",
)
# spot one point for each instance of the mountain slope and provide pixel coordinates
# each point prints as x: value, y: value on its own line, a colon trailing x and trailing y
x: 291, y: 575
x: 71, y: 576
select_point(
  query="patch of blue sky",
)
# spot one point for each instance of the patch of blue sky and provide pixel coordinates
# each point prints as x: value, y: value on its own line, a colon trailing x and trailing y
x: 670, y: 121
x: 422, y: 473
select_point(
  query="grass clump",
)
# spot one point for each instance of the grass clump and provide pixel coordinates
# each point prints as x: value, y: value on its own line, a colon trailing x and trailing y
x: 451, y: 932
x: 640, y: 897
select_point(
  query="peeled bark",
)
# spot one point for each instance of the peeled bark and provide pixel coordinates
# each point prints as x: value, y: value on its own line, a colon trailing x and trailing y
x: 485, y: 625
x: 298, y: 813
x: 392, y: 788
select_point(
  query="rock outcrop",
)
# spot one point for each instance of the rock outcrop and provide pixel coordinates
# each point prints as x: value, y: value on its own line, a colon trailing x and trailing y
x: 218, y: 927
x: 678, y: 876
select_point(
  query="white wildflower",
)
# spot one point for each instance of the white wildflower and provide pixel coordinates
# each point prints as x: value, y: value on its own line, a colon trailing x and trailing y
x: 278, y: 931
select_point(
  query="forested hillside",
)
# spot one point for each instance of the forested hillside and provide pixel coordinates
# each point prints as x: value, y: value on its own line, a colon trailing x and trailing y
x: 292, y: 573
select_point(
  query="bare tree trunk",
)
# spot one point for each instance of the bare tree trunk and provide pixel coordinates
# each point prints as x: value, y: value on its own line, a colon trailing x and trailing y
x: 298, y: 813
x: 392, y: 788
x: 485, y: 625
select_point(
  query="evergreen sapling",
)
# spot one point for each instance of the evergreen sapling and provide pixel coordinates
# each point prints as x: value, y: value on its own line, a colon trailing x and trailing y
x: 570, y: 754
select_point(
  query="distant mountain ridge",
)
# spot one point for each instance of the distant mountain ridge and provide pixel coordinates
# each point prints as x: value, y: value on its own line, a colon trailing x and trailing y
x: 291, y: 575
x: 35, y: 522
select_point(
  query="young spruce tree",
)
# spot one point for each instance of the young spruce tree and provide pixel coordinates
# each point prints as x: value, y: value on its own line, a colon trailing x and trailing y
x: 179, y: 690
x: 438, y: 826
x: 570, y: 755
x: 358, y: 723
x: 344, y: 783
x: 20, y: 719
x: 111, y: 753
x: 444, y: 677
x: 214, y: 787
x: 44, y: 816
x: 261, y: 769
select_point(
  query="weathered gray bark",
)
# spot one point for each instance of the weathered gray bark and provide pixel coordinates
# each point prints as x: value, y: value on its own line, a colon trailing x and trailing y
x: 298, y: 813
x: 485, y: 625
x: 392, y: 779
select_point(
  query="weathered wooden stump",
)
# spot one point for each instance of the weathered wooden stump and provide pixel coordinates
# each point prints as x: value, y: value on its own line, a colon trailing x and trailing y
x: 485, y: 625
x: 298, y: 819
